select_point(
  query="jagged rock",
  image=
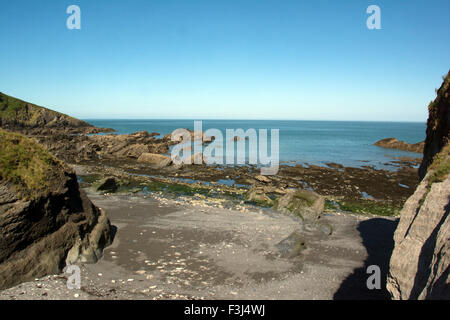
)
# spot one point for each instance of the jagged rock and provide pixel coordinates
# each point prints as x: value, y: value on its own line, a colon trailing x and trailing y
x: 419, y: 266
x: 438, y: 125
x: 156, y: 161
x: 304, y: 203
x: 393, y: 143
x: 108, y: 184
x: 43, y: 215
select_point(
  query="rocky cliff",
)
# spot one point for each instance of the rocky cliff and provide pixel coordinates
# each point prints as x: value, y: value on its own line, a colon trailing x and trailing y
x: 420, y: 263
x: 46, y: 221
x: 18, y: 115
x: 438, y: 125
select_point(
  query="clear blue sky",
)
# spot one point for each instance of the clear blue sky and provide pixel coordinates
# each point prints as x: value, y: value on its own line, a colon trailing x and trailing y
x: 249, y: 59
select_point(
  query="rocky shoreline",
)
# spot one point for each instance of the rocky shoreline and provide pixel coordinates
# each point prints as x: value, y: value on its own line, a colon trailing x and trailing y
x: 217, y: 232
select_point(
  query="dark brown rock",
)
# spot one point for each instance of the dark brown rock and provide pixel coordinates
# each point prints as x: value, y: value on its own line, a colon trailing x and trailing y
x: 40, y: 228
x: 438, y: 125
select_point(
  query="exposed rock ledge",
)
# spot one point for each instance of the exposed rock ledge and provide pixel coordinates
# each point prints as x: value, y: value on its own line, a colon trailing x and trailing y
x: 393, y: 143
x: 419, y: 266
x: 43, y: 228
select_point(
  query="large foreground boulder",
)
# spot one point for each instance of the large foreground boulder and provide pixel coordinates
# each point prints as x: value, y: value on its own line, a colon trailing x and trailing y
x: 46, y: 221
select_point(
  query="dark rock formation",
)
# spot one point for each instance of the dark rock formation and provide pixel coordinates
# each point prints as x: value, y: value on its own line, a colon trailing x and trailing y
x: 393, y: 143
x: 46, y: 221
x: 438, y: 125
x: 420, y: 263
x: 108, y: 184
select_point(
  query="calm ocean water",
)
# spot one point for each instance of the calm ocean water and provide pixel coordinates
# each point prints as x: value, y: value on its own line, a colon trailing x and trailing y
x: 314, y: 142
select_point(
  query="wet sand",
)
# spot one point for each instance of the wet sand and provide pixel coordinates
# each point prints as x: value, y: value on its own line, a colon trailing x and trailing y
x: 164, y: 249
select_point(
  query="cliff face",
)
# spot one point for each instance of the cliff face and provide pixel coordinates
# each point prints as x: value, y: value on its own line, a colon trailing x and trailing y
x: 438, y: 125
x: 420, y: 263
x: 46, y: 221
x: 18, y: 115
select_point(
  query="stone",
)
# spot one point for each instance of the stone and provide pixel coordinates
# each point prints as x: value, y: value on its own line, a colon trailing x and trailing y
x: 262, y: 178
x: 155, y: 161
x: 292, y: 246
x: 108, y: 184
x: 304, y: 203
x: 257, y: 195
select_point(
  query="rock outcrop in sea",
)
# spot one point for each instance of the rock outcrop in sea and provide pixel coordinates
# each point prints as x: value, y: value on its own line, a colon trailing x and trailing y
x: 393, y: 143
x: 46, y: 221
x: 420, y: 263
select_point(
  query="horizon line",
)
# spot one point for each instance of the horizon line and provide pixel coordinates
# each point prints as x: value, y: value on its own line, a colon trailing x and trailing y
x: 250, y: 119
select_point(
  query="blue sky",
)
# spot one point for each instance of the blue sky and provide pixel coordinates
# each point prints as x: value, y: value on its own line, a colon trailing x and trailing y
x: 226, y: 59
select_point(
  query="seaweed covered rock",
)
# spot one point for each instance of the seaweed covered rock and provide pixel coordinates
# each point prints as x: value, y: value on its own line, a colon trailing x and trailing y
x: 108, y: 184
x: 304, y: 203
x: 257, y: 195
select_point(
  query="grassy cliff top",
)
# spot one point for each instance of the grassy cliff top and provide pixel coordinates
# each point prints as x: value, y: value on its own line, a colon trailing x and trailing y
x: 27, y: 165
x: 440, y: 166
x: 16, y: 111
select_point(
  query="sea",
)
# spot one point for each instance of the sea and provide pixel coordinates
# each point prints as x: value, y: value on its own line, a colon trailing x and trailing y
x: 349, y: 143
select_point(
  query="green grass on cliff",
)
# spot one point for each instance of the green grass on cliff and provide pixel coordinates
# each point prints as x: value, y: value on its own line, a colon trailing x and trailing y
x: 26, y: 164
x: 441, y: 166
x: 21, y: 112
x: 12, y: 108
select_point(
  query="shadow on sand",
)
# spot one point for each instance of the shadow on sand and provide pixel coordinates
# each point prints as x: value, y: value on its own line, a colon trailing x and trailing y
x: 377, y: 236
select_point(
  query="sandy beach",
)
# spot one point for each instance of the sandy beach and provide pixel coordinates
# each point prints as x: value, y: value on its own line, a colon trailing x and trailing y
x: 167, y: 249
